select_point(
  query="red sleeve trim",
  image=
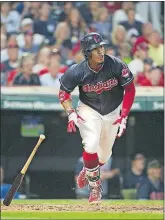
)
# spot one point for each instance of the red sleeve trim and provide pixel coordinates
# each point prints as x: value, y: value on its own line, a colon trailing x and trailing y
x: 128, y: 99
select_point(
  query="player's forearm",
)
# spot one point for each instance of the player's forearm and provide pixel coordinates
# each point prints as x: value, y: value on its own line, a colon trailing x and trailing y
x: 128, y: 99
x: 66, y: 100
x: 67, y: 105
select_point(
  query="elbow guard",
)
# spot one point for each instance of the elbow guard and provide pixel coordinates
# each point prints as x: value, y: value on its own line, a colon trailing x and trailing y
x: 63, y: 96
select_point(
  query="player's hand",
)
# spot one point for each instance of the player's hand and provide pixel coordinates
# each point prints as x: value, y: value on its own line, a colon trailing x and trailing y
x: 74, y: 119
x: 122, y: 121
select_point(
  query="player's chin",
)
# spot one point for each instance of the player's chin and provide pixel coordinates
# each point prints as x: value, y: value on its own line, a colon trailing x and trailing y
x: 101, y: 59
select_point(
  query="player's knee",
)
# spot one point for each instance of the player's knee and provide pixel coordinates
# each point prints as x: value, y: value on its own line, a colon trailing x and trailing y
x: 91, y: 147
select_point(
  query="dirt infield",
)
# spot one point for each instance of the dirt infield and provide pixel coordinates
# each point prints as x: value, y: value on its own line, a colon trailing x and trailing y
x: 85, y: 208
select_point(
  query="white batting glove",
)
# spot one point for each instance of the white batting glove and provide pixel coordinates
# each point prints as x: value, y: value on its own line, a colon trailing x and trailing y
x: 73, y: 119
x: 122, y: 121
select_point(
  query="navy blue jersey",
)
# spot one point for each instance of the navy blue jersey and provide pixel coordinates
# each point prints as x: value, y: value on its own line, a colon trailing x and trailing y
x: 103, y: 90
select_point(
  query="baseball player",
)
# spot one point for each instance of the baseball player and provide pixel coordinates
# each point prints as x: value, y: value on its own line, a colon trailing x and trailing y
x: 106, y: 94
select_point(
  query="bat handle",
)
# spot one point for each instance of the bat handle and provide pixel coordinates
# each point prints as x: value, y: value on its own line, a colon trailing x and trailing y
x: 24, y: 169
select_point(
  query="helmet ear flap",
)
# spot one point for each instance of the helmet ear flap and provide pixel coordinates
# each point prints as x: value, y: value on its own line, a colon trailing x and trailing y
x: 86, y: 54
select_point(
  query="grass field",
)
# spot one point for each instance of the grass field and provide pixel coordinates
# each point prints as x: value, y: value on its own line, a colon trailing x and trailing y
x: 80, y: 209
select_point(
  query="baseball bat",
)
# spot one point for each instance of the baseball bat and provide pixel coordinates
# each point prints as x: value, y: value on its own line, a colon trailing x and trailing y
x: 18, y: 180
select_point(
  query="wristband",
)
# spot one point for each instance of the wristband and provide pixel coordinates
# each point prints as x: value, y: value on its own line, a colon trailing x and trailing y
x: 63, y: 96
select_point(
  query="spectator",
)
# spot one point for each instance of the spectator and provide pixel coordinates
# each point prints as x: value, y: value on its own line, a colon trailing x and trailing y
x: 78, y: 57
x: 65, y: 11
x: 77, y: 26
x: 102, y: 24
x: 152, y: 11
x: 153, y: 78
x: 106, y: 173
x: 112, y: 6
x: 147, y: 29
x: 125, y: 52
x: 86, y: 13
x: 68, y: 7
x: 62, y: 35
x: 13, y: 61
x: 30, y: 46
x: 23, y: 8
x: 156, y: 48
x: 61, y: 25
x: 152, y: 188
x: 118, y: 37
x: 5, y: 187
x: 139, y: 54
x: 29, y: 9
x: 45, y: 25
x: 11, y: 40
x: 132, y: 26
x: 26, y: 77
x: 136, y: 173
x: 10, y: 18
x: 52, y: 78
x: 42, y: 64
x: 121, y: 14
x: 142, y: 76
x: 11, y: 76
x: 110, y: 50
x: 76, y: 53
x: 93, y: 9
x: 27, y: 26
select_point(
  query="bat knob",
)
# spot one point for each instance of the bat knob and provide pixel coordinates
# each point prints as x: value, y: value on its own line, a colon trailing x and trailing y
x: 42, y: 136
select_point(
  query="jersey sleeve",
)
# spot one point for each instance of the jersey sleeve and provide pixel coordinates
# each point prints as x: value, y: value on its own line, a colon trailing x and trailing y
x: 123, y: 74
x: 70, y: 79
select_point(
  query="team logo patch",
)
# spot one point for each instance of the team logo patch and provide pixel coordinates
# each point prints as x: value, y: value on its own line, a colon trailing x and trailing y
x: 96, y: 38
x: 125, y: 72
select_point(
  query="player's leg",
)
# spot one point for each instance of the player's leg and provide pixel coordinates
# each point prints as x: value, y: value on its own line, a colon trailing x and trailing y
x: 108, y: 136
x: 90, y: 132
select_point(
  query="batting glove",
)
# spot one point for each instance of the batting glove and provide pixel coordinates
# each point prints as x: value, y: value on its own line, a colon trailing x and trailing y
x: 73, y: 119
x: 122, y: 121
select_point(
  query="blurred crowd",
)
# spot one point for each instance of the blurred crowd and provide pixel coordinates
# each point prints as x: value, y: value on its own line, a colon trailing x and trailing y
x: 40, y: 40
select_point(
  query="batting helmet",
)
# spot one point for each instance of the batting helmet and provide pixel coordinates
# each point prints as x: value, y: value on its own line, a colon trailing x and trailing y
x: 90, y: 42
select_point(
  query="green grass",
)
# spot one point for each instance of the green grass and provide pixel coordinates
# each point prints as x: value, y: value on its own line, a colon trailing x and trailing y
x: 81, y: 215
x: 78, y: 215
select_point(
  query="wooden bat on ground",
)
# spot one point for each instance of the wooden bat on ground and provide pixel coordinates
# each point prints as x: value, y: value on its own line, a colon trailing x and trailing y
x: 18, y: 180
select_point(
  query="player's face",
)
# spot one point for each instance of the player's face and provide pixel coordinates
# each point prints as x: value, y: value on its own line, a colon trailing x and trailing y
x: 98, y: 54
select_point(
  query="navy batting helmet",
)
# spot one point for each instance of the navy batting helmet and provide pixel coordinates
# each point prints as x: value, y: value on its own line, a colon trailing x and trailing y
x: 90, y: 42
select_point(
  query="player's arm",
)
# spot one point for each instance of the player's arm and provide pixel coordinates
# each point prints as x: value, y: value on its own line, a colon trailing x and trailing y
x: 73, y: 117
x: 125, y: 79
x: 68, y: 82
x: 128, y: 99
x: 65, y: 100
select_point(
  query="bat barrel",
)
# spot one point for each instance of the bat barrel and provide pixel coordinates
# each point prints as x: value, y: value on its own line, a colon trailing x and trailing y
x: 15, y: 186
